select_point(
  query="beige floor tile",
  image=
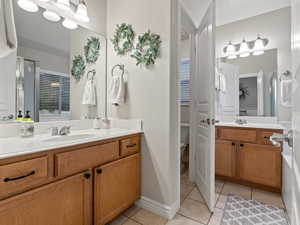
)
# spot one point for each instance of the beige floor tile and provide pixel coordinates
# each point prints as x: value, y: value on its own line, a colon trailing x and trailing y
x: 221, y: 201
x: 219, y: 186
x: 216, y: 217
x: 118, y: 221
x: 131, y: 222
x: 196, y: 195
x: 195, y: 210
x: 268, y: 198
x: 148, y: 218
x: 236, y: 189
x: 185, y: 189
x: 181, y: 220
x: 131, y: 211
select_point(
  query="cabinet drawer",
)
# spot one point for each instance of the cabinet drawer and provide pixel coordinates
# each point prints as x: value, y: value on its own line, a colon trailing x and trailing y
x: 235, y: 134
x: 20, y: 176
x: 130, y: 146
x: 79, y: 160
x: 264, y: 135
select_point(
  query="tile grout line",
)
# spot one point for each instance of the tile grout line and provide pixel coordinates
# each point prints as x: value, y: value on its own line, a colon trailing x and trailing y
x: 190, y: 218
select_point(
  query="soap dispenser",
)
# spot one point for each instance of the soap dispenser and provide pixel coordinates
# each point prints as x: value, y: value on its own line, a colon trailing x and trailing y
x: 20, y: 116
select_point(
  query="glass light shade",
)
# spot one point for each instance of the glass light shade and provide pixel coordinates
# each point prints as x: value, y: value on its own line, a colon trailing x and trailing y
x: 28, y: 5
x: 81, y: 12
x: 70, y: 24
x: 63, y: 4
x: 258, y: 47
x: 230, y: 49
x: 233, y: 56
x: 51, y: 16
x: 44, y: 0
x: 244, y: 49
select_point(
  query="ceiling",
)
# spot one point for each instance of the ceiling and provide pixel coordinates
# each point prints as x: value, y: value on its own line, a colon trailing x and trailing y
x: 228, y: 11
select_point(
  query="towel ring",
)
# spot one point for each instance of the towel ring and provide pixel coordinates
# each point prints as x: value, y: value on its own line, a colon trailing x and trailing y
x: 93, y: 74
x: 120, y: 66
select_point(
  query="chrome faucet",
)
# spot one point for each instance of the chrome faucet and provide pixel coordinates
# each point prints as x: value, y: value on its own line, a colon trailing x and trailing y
x: 64, y: 130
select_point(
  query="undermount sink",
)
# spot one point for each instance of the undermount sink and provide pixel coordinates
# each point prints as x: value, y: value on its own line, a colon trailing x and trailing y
x: 69, y: 138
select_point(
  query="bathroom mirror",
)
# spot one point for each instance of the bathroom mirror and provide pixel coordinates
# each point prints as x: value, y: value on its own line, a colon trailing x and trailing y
x: 250, y: 85
x: 37, y: 77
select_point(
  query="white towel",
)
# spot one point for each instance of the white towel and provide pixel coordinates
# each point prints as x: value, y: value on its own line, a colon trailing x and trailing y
x: 89, y: 93
x: 8, y: 34
x: 286, y: 92
x: 117, y: 90
x: 217, y: 79
x: 222, y: 82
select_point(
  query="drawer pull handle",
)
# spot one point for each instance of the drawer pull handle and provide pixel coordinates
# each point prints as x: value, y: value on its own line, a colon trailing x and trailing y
x: 19, y: 178
x: 267, y: 137
x: 242, y: 145
x: 99, y: 171
x: 131, y: 146
x: 87, y: 176
x: 233, y: 144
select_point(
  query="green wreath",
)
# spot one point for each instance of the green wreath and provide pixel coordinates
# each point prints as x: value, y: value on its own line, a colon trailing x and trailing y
x: 92, y: 50
x: 123, y: 39
x: 78, y: 67
x: 148, y: 49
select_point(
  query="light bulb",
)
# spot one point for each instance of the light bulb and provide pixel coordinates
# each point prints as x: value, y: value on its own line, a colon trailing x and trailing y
x: 81, y: 12
x: 244, y: 49
x: 28, y: 5
x: 233, y: 56
x: 70, y: 24
x: 63, y: 4
x: 51, y: 16
x: 230, y: 49
x: 258, y: 47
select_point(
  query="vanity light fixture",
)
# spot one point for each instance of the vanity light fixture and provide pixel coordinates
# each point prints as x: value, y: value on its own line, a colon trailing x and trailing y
x: 51, y: 16
x: 244, y: 49
x: 258, y: 46
x: 81, y: 12
x: 70, y: 24
x: 44, y: 0
x: 64, y: 5
x: 231, y: 51
x: 28, y: 5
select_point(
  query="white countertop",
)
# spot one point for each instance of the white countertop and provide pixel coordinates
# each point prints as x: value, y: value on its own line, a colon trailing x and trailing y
x: 252, y: 125
x: 15, y: 146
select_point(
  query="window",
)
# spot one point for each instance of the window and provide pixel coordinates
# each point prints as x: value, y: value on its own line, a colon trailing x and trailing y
x: 54, y: 96
x: 185, y: 81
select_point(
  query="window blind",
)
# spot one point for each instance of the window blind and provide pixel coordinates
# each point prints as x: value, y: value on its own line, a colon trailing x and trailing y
x: 185, y: 81
x: 54, y: 93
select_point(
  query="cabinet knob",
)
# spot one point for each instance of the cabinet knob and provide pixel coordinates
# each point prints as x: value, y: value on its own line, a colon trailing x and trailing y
x: 242, y: 145
x: 233, y: 144
x: 87, y: 175
x: 99, y: 171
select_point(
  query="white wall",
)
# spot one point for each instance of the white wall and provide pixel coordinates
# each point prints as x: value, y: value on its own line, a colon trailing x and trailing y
x: 149, y: 94
x: 276, y: 26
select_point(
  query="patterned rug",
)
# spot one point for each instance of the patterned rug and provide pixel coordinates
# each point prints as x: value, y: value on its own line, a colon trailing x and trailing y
x: 239, y: 211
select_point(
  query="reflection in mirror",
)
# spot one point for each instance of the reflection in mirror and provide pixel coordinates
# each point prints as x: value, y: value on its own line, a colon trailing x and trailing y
x: 251, y: 85
x: 37, y: 80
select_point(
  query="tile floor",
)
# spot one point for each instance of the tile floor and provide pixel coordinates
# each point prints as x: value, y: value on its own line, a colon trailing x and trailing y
x: 193, y: 210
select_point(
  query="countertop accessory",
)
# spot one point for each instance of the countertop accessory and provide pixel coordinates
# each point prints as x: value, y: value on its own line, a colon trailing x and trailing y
x: 64, y: 130
x: 97, y: 123
x: 27, y: 129
x: 54, y: 131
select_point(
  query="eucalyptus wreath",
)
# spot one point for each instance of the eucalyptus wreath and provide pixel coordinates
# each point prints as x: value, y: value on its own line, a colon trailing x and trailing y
x: 147, y: 49
x: 78, y: 67
x: 92, y: 50
x: 123, y: 39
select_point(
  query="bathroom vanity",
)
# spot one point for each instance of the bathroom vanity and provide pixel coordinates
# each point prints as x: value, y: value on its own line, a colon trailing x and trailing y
x: 82, y: 184
x: 245, y: 155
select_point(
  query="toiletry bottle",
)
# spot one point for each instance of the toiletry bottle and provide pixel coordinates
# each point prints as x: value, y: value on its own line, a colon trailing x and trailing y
x: 20, y: 116
x: 27, y: 117
x: 97, y: 123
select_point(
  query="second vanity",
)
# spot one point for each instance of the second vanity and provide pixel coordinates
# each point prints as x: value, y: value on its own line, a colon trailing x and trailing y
x: 83, y: 182
x: 245, y: 155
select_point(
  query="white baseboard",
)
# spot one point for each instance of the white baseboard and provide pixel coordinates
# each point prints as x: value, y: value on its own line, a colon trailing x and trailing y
x: 155, y: 207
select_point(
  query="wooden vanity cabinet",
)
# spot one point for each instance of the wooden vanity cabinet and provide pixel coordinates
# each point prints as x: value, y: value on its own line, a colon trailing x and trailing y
x: 117, y: 186
x: 246, y: 156
x: 65, y: 202
x: 80, y: 185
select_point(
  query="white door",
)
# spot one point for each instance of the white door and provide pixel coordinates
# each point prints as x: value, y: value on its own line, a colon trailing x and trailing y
x: 202, y: 108
x: 296, y: 111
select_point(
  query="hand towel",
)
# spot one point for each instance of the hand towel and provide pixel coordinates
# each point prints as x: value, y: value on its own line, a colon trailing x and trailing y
x: 8, y: 34
x: 222, y: 78
x: 89, y: 93
x: 117, y: 90
x: 286, y: 92
x: 217, y: 79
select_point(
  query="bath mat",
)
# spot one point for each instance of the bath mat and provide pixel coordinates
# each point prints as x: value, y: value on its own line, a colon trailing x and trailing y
x: 239, y: 211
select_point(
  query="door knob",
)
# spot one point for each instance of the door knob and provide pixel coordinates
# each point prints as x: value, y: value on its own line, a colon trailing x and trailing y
x: 277, y: 138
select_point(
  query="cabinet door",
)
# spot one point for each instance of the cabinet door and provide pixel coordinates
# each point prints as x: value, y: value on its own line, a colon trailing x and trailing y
x: 117, y: 186
x: 66, y: 202
x: 225, y: 158
x: 260, y: 164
